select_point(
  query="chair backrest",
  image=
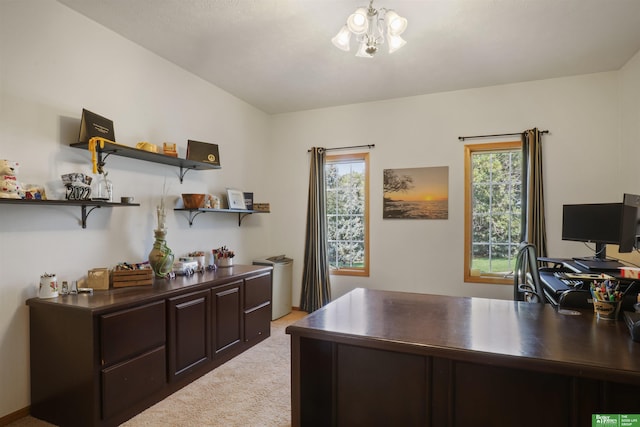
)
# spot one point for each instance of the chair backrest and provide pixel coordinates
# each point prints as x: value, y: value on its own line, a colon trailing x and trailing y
x: 527, y: 285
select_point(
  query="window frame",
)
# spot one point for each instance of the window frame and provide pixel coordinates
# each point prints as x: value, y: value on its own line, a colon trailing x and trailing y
x: 470, y: 149
x: 336, y: 158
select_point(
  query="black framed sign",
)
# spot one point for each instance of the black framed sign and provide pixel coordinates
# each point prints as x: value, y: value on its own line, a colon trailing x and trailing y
x: 203, y: 152
x: 93, y: 124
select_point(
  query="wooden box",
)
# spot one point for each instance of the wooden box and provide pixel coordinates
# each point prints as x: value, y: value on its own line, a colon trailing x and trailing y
x: 124, y: 278
x: 98, y: 278
x: 261, y: 207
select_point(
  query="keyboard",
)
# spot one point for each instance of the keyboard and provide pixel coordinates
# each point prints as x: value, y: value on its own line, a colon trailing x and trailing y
x: 552, y: 283
x: 582, y: 276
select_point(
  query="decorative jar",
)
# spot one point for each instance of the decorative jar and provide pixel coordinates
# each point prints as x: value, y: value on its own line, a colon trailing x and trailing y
x: 48, y: 286
x: 161, y: 257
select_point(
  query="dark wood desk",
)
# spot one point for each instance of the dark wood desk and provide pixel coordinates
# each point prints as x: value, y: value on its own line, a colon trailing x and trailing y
x: 389, y: 358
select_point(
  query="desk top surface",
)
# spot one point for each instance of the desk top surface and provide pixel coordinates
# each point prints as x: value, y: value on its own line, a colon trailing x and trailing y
x: 508, y: 333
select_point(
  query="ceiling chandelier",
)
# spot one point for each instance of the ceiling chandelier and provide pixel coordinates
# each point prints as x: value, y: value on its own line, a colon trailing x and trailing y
x: 369, y: 26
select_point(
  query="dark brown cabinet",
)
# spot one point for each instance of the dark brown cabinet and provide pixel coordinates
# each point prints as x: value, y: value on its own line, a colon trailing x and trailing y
x: 133, y: 362
x: 257, y: 307
x: 227, y: 318
x: 189, y: 333
x: 98, y: 360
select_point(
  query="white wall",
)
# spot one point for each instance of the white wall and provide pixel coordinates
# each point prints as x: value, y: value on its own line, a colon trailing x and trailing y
x: 630, y: 124
x: 582, y: 164
x: 54, y: 62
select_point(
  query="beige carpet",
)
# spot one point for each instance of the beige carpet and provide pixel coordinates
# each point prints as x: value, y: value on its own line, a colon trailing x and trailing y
x: 253, y: 389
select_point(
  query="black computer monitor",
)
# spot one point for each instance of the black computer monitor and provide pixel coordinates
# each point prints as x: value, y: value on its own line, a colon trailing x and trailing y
x: 603, y: 223
x: 598, y: 223
x: 630, y: 223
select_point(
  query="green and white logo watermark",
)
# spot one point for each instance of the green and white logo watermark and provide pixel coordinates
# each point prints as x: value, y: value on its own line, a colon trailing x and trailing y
x: 617, y: 420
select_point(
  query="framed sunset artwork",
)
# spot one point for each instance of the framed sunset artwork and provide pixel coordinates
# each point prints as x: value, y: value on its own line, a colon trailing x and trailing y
x: 416, y: 193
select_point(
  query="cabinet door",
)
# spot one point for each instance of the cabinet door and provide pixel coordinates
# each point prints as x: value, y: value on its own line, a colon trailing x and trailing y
x: 189, y: 333
x: 127, y: 333
x: 227, y: 317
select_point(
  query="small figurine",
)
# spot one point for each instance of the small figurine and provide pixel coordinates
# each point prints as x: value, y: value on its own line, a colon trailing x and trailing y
x: 169, y: 149
x: 10, y: 187
x: 212, y: 202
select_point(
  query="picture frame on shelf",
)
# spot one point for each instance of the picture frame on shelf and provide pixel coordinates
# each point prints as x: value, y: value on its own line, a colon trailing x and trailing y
x: 235, y: 199
x: 204, y: 152
x: 248, y: 200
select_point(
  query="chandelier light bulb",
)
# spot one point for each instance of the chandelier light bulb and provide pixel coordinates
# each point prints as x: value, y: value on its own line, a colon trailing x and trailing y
x: 396, y: 24
x: 357, y: 22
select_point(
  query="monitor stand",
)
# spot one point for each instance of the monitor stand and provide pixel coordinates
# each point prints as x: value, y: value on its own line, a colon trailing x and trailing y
x: 598, y: 264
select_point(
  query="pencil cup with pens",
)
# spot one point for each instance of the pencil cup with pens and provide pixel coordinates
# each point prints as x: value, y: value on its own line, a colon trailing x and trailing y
x: 607, y: 299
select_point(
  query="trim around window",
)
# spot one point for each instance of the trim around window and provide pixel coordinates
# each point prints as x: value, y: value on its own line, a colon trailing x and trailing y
x: 346, y: 271
x: 504, y: 278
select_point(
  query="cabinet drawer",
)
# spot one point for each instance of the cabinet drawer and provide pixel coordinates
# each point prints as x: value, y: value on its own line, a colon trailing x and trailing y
x: 128, y: 383
x: 257, y: 323
x: 257, y: 291
x: 130, y: 332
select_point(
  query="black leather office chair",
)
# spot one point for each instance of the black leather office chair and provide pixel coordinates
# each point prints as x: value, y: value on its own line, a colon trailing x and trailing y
x: 527, y: 285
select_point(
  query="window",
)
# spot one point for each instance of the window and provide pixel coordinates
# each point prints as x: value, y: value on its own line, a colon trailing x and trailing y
x: 347, y: 184
x: 493, y: 214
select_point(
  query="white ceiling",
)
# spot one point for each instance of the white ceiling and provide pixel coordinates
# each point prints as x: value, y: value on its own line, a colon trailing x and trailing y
x: 277, y: 54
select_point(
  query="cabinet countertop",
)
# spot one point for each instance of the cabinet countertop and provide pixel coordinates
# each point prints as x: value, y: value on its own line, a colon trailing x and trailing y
x: 102, y: 300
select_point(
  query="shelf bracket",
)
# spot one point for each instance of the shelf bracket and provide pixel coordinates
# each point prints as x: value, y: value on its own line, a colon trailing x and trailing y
x: 183, y: 172
x: 86, y: 213
x: 192, y: 216
x: 241, y: 216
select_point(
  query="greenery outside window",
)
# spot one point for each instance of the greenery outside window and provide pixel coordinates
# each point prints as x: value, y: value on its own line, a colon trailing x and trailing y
x: 347, y: 186
x: 493, y: 211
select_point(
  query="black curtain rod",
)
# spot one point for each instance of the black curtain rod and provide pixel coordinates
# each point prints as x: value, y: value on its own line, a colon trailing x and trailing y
x: 347, y: 148
x: 462, y: 138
